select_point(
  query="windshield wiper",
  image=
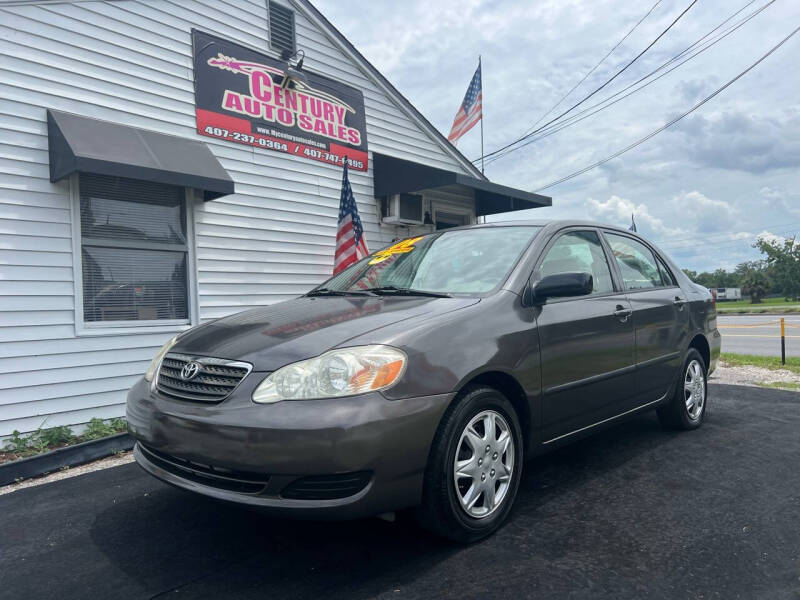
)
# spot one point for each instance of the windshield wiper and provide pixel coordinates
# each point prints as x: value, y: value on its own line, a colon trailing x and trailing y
x: 327, y: 292
x: 398, y: 291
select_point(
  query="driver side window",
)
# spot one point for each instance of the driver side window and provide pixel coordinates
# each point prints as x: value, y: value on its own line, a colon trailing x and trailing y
x: 579, y: 252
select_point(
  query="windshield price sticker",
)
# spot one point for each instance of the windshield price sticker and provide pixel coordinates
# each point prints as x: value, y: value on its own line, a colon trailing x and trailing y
x: 398, y: 248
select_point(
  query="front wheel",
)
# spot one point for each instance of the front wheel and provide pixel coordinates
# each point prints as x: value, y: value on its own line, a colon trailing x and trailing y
x: 687, y: 408
x: 474, y: 467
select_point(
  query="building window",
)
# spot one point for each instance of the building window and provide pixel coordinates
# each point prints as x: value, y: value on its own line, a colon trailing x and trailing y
x: 281, y: 28
x: 134, y: 250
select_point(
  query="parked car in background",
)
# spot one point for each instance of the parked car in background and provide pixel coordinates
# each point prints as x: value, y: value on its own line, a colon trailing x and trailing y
x: 422, y: 376
x: 723, y: 294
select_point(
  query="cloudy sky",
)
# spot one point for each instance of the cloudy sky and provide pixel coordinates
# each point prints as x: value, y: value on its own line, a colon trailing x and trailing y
x: 702, y: 189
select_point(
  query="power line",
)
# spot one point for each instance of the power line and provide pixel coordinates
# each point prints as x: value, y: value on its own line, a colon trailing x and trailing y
x: 594, y: 68
x: 673, y: 121
x: 681, y: 242
x: 688, y: 251
x: 604, y: 104
x: 700, y: 244
x: 612, y: 78
x: 710, y: 240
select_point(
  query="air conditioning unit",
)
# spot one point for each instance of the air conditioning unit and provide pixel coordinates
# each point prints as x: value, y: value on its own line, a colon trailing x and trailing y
x: 402, y: 209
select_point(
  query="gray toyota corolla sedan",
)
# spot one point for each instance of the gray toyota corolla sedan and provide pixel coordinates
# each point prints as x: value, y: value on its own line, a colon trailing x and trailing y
x: 422, y: 376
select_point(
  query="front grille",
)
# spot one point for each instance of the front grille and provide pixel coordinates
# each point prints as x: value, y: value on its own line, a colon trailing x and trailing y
x: 245, y: 482
x: 214, y: 381
x: 327, y: 487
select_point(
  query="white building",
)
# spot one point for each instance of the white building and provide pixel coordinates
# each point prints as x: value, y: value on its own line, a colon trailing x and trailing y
x: 113, y: 237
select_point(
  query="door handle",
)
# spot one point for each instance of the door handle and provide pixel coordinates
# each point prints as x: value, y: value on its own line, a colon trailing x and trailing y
x: 679, y: 302
x: 622, y: 313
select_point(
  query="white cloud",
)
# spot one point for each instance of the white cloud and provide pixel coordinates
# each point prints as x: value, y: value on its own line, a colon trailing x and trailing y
x: 773, y: 238
x: 728, y: 169
x: 617, y: 211
x: 706, y: 214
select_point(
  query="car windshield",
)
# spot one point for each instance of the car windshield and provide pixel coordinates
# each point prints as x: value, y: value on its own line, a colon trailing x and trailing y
x: 462, y: 261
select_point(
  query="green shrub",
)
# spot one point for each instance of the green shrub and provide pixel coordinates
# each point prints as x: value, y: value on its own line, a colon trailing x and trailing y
x: 119, y: 425
x: 16, y: 443
x: 55, y: 436
x: 42, y: 440
x: 97, y: 428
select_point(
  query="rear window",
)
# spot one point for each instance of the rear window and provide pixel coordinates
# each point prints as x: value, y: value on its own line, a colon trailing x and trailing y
x: 636, y: 262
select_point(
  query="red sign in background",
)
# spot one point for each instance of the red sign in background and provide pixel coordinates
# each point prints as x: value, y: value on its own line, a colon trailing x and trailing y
x: 240, y: 98
x: 234, y: 129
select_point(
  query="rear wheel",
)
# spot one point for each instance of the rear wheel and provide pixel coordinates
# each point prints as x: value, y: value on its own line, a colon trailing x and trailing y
x: 687, y: 408
x: 474, y: 467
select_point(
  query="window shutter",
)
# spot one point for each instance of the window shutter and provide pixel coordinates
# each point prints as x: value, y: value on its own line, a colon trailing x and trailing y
x: 281, y: 27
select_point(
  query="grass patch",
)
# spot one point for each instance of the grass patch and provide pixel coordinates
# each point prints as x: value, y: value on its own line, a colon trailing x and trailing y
x: 43, y: 440
x: 767, y: 305
x: 783, y: 385
x: 759, y: 309
x: 766, y: 362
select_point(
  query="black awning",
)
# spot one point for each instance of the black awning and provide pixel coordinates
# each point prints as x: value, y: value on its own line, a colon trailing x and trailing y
x: 397, y: 176
x: 82, y: 144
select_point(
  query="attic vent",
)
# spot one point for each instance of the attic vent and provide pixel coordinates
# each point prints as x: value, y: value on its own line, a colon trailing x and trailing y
x: 281, y: 28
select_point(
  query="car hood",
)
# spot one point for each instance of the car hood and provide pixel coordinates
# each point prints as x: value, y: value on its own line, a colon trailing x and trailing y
x: 305, y: 327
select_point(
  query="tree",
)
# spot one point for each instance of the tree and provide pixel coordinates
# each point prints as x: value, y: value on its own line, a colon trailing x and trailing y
x: 691, y: 274
x: 756, y: 285
x: 782, y: 256
x: 722, y: 278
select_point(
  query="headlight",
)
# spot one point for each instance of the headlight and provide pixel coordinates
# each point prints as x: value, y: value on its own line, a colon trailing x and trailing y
x: 344, y: 372
x: 156, y: 362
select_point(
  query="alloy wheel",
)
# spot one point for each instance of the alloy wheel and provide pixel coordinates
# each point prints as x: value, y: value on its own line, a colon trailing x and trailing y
x: 694, y: 388
x: 483, y: 464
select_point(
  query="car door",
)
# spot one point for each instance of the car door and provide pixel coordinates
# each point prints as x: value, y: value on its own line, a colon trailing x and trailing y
x: 586, y: 343
x: 660, y: 314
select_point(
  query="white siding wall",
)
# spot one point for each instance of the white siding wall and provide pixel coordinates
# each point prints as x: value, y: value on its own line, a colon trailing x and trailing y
x: 130, y: 62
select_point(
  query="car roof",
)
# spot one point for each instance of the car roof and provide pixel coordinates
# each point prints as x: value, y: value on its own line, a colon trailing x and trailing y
x: 550, y: 224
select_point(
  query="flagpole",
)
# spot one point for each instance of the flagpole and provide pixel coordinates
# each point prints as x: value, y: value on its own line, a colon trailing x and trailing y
x: 479, y: 66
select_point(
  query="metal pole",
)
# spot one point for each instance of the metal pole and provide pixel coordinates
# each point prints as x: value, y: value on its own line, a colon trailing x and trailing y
x: 481, y: 68
x: 783, y: 341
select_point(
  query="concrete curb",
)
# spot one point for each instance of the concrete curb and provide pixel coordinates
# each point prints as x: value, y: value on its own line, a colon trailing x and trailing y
x: 68, y: 456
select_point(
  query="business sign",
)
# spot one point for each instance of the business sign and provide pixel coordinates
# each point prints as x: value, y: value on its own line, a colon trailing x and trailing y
x: 239, y: 98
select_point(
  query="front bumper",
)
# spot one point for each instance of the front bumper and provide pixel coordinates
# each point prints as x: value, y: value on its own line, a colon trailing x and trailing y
x: 386, y: 441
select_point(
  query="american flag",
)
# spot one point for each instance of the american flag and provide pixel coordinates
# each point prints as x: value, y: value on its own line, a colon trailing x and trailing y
x: 350, y: 243
x: 470, y: 111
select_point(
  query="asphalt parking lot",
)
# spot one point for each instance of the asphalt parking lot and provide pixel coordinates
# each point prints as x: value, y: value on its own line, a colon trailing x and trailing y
x: 635, y: 512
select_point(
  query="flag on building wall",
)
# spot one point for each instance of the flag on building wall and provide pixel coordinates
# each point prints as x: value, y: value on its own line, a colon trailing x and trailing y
x: 350, y: 243
x: 470, y: 111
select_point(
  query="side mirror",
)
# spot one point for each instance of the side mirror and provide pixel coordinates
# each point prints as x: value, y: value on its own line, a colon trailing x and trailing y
x: 561, y: 285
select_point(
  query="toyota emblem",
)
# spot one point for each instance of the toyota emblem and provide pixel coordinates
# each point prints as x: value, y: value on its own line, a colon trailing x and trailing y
x: 190, y: 371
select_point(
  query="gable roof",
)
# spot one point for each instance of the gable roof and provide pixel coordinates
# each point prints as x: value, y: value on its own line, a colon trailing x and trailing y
x: 336, y: 36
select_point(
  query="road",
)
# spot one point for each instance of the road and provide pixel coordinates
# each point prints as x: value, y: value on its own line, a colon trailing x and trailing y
x: 634, y: 512
x: 742, y: 335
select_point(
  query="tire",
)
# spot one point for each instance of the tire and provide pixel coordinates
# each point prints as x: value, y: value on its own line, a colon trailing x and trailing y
x: 687, y: 407
x: 445, y: 493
